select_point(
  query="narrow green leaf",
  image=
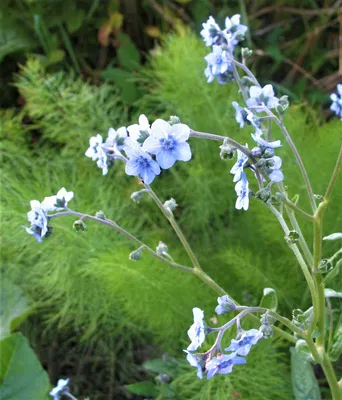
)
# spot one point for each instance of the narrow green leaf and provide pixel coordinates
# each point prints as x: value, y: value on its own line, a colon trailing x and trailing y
x: 145, y: 388
x: 304, y: 383
x: 21, y: 375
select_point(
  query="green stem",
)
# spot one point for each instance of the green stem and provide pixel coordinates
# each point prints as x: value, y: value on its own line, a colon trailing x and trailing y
x: 334, y: 176
x: 329, y: 372
x: 175, y: 227
x: 297, y: 209
x: 119, y: 229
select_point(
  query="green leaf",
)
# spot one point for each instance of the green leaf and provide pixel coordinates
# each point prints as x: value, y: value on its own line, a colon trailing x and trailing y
x: 167, y: 391
x: 169, y: 367
x: 304, y: 383
x: 128, y: 54
x: 124, y: 81
x: 145, y: 388
x: 333, y: 236
x: 269, y: 299
x: 14, y: 307
x: 21, y: 374
x: 75, y: 20
x: 336, y: 349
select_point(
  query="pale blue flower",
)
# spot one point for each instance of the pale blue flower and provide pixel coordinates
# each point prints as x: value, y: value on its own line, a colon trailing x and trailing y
x: 140, y: 163
x: 218, y: 66
x: 336, y: 99
x: 211, y: 32
x: 273, y: 166
x: 34, y: 231
x: 62, y: 387
x: 116, y: 138
x: 223, y: 364
x: 38, y: 220
x: 264, y: 143
x: 245, y: 342
x: 226, y: 304
x: 139, y: 132
x: 58, y: 202
x: 242, y: 191
x: 234, y: 29
x: 168, y: 143
x: 238, y: 167
x: 262, y: 97
x: 97, y: 153
x: 197, y: 330
x: 243, y: 115
x: 194, y: 362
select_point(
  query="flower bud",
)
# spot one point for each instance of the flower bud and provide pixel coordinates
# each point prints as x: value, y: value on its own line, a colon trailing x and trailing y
x: 227, y: 152
x: 256, y: 152
x: 162, y: 249
x: 268, y: 153
x: 100, y: 214
x: 266, y: 330
x: 170, y: 205
x: 246, y: 52
x: 137, y: 196
x: 292, y: 237
x: 324, y: 266
x: 163, y: 378
x: 136, y: 255
x: 79, y: 225
x: 283, y: 104
x: 174, y: 120
x: 264, y: 194
x: 247, y: 81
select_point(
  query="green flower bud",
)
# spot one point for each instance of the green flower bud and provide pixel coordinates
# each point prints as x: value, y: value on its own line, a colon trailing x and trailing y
x: 324, y: 266
x: 246, y: 52
x: 136, y: 255
x: 170, y: 205
x: 247, y: 81
x: 264, y: 195
x: 292, y: 237
x: 174, y: 120
x: 227, y: 151
x: 100, y: 214
x: 266, y: 330
x: 79, y: 225
x: 162, y: 249
x: 137, y: 196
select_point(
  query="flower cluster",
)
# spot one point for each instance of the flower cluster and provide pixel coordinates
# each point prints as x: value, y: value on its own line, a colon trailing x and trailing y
x: 38, y: 216
x: 336, y: 99
x: 223, y: 43
x: 221, y: 363
x: 145, y: 149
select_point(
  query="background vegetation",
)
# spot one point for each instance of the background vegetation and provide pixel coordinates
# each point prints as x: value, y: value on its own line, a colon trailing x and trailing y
x: 73, y: 69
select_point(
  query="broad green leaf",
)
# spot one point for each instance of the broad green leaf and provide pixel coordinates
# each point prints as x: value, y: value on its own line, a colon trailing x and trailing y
x: 14, y: 307
x: 304, y: 383
x: 21, y: 375
x: 145, y: 388
x: 269, y: 299
x: 75, y: 20
x: 124, y: 81
x: 333, y: 236
x: 169, y: 367
x: 332, y: 293
x: 128, y: 54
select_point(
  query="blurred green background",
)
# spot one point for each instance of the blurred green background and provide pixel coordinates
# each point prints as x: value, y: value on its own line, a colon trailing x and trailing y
x: 71, y: 69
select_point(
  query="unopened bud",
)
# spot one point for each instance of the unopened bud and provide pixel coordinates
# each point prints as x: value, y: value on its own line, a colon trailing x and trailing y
x: 170, y: 205
x: 79, y: 225
x: 136, y: 255
x: 227, y: 151
x: 324, y: 266
x: 266, y: 330
x: 268, y: 153
x: 292, y: 237
x: 162, y: 249
x: 174, y: 120
x: 256, y: 152
x: 100, y: 214
x: 246, y: 52
x: 137, y: 196
x: 264, y: 194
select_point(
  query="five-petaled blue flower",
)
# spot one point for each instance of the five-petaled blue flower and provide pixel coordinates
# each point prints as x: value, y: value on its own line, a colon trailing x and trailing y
x: 211, y: 32
x: 58, y: 202
x: 238, y: 167
x: 245, y: 342
x: 262, y: 97
x: 38, y: 219
x: 234, y: 31
x: 60, y: 389
x: 197, y: 330
x: 140, y: 163
x: 225, y: 304
x: 242, y: 191
x: 168, y: 143
x: 193, y: 360
x: 223, y: 364
x: 336, y: 99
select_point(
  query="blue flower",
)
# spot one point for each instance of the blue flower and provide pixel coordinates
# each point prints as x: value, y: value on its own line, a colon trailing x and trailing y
x: 140, y: 163
x: 218, y: 66
x: 197, y: 330
x: 242, y: 191
x: 226, y: 304
x: 60, y: 389
x: 211, y: 32
x: 38, y: 220
x: 58, y: 202
x: 223, y: 364
x: 264, y: 143
x: 336, y: 99
x: 238, y: 167
x: 273, y: 165
x: 194, y: 362
x: 139, y: 132
x: 116, y: 138
x: 168, y: 143
x: 262, y: 96
x: 243, y: 115
x: 97, y: 153
x: 246, y: 341
x: 234, y: 29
